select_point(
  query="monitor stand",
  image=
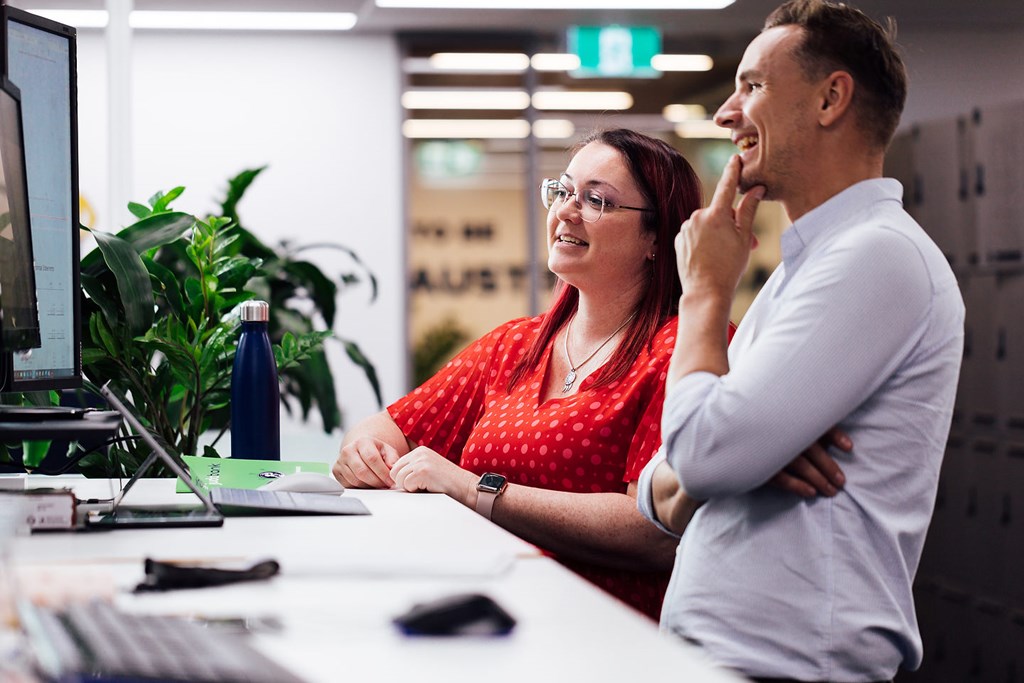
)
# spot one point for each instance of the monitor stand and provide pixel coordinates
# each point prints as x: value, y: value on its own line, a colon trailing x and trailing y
x: 18, y: 423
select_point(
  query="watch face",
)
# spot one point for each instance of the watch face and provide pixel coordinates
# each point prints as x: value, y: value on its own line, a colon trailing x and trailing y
x: 491, y: 482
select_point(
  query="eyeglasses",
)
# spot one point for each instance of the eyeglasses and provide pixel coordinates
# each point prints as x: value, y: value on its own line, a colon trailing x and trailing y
x: 591, y: 203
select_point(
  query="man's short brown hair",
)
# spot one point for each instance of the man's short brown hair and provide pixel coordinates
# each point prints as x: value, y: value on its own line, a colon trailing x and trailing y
x: 837, y: 36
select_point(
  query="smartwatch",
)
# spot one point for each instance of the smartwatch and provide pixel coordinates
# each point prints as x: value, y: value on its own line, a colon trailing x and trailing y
x: 488, y: 488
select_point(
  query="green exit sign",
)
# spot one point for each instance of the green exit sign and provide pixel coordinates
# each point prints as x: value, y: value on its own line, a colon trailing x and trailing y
x: 615, y: 51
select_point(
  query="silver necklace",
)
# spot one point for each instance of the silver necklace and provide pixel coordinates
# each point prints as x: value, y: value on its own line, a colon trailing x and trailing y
x: 570, y: 378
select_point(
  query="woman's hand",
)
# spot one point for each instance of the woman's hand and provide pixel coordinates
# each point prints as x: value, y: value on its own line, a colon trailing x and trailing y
x: 365, y: 462
x: 423, y: 469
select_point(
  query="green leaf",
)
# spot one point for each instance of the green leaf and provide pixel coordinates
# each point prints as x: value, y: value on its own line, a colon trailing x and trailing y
x: 356, y: 355
x: 102, y: 292
x: 132, y: 281
x: 91, y: 356
x: 236, y: 188
x: 33, y: 453
x: 322, y: 290
x: 154, y: 231
x: 237, y: 273
x: 139, y: 210
x: 164, y: 201
x: 101, y: 335
x: 168, y: 286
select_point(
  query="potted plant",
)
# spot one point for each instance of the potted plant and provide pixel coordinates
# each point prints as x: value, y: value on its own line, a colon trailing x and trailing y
x: 159, y: 322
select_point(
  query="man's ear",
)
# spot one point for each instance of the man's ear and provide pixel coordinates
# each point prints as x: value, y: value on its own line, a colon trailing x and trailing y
x: 836, y: 97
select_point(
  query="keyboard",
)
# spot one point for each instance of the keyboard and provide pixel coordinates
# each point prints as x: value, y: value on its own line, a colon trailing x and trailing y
x: 95, y: 642
x: 232, y: 501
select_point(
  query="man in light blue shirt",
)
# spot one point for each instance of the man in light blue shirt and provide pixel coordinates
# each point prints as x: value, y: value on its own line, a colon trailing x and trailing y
x: 861, y: 326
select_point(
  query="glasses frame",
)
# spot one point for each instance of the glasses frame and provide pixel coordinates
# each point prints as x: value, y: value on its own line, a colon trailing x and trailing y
x: 605, y: 204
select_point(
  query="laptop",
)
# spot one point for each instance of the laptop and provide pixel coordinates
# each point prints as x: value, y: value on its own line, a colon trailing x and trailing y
x: 218, y: 504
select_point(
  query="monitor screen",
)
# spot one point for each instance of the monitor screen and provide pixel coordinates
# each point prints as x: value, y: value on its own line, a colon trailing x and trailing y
x: 40, y: 57
x: 19, y: 320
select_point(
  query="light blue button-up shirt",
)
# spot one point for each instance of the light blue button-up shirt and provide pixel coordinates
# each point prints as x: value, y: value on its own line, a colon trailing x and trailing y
x: 861, y: 326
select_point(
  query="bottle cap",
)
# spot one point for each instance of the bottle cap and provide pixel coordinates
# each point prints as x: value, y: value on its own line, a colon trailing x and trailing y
x: 254, y: 311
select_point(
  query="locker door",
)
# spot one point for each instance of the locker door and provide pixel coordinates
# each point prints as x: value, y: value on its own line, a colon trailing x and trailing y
x: 998, y: 144
x: 943, y: 204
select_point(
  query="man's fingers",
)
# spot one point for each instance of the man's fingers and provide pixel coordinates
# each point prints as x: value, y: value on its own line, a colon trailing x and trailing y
x: 788, y: 482
x: 725, y: 191
x: 820, y: 460
x: 838, y: 438
x: 803, y: 469
x: 748, y: 208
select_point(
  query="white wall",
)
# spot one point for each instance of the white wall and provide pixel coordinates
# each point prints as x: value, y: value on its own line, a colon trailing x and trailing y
x: 322, y: 110
x: 951, y: 72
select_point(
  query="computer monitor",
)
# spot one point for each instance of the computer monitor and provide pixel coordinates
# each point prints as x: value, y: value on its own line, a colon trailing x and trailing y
x: 40, y: 57
x: 19, y: 319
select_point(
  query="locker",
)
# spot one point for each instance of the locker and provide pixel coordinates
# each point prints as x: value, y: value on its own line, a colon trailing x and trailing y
x: 998, y: 146
x: 938, y: 558
x: 943, y: 204
x: 1013, y: 566
x: 973, y: 567
x: 991, y: 658
x: 1009, y: 353
x: 899, y: 164
x: 977, y: 401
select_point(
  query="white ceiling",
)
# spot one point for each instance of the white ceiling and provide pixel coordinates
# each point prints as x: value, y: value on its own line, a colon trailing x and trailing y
x: 723, y: 34
x: 740, y: 19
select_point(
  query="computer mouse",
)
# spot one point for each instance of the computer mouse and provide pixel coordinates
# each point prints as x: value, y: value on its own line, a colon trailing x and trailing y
x: 305, y: 482
x: 469, y: 614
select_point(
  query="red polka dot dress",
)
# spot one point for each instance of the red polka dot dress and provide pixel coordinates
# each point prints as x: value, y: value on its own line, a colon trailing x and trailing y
x: 596, y: 440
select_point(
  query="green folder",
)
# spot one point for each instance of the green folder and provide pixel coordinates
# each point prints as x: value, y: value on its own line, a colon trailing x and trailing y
x: 237, y: 473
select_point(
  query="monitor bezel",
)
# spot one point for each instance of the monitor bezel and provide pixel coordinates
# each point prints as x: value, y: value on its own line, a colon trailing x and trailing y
x: 7, y: 15
x: 20, y: 338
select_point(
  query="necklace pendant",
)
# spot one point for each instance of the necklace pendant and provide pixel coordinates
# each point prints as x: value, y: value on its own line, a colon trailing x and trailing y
x: 570, y: 379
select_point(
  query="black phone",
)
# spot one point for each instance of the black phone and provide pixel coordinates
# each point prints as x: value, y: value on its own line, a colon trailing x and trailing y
x: 469, y: 614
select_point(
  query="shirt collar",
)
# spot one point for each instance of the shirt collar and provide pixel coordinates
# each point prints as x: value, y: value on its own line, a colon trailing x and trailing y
x: 836, y: 214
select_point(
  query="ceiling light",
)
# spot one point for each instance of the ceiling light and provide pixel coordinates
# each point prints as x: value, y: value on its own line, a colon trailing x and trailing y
x: 480, y: 61
x: 701, y: 129
x: 553, y: 129
x: 675, y: 113
x: 556, y: 4
x: 579, y: 100
x: 243, y: 21
x: 681, y: 63
x: 465, y: 128
x: 465, y: 99
x: 555, y: 62
x: 79, y: 18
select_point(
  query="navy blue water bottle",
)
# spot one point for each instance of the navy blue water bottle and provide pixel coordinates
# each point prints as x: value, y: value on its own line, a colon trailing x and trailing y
x: 255, y: 393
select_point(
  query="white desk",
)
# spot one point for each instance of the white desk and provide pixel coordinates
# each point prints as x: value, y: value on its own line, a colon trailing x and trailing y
x: 344, y: 578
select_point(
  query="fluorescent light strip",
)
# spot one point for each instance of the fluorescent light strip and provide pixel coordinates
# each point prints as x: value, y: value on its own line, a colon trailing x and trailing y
x: 556, y: 4
x: 578, y: 100
x: 79, y: 18
x: 465, y: 128
x: 229, y: 21
x: 705, y: 129
x: 677, y: 113
x: 465, y: 99
x: 553, y: 129
x: 480, y: 61
x: 555, y: 62
x: 682, y: 63
x: 550, y: 129
x: 244, y: 21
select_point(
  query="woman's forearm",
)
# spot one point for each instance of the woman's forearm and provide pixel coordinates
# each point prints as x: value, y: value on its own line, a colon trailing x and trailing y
x: 603, y: 528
